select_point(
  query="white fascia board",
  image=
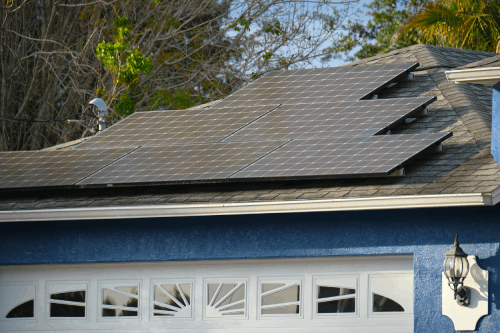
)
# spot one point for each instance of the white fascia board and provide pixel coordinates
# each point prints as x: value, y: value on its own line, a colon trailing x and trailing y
x: 267, y: 207
x: 484, y: 75
x: 495, y: 196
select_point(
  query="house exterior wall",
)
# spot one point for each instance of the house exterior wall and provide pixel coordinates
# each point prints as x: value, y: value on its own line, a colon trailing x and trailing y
x: 425, y: 233
x: 495, y: 123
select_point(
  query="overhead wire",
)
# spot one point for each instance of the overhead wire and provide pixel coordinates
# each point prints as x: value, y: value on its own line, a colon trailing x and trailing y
x: 64, y: 120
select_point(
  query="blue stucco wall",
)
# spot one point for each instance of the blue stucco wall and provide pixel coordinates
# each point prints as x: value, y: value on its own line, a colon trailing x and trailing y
x: 495, y: 123
x: 425, y: 233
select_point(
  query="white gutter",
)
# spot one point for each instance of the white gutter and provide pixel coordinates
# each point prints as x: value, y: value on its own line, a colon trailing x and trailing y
x: 267, y: 207
x: 483, y: 75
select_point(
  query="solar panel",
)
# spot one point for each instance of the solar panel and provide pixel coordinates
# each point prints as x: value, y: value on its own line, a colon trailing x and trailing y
x: 157, y: 128
x: 322, y: 120
x: 322, y: 85
x: 182, y: 163
x: 53, y: 168
x: 341, y: 157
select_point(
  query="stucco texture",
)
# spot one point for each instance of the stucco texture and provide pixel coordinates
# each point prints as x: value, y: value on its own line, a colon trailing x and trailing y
x: 495, y: 123
x: 425, y: 233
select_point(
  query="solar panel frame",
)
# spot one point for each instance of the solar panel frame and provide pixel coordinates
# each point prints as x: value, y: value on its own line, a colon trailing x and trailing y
x: 53, y: 168
x: 342, y: 157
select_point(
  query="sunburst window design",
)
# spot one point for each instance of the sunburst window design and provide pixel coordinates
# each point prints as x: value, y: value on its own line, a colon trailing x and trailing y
x: 172, y: 300
x: 280, y: 298
x: 120, y: 301
x: 226, y: 299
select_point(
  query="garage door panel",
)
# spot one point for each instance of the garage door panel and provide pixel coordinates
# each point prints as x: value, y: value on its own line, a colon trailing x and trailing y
x: 18, y: 301
x: 281, y: 295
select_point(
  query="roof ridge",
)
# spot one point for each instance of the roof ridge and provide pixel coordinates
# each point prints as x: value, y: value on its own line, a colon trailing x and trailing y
x: 67, y: 144
x: 493, y: 61
x: 474, y: 114
x: 438, y: 55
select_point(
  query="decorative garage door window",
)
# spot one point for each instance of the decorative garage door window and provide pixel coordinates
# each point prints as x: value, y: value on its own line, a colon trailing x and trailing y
x: 298, y: 295
x: 280, y: 297
x: 171, y: 299
x: 388, y: 293
x: 67, y: 299
x: 335, y: 295
x: 225, y: 298
x: 18, y: 301
x: 119, y: 300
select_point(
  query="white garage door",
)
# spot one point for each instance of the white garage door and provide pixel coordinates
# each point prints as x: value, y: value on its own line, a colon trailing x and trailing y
x: 351, y: 294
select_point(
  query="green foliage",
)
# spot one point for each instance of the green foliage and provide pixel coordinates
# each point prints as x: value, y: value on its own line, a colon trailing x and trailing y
x: 377, y: 36
x: 178, y: 100
x: 267, y: 55
x: 394, y: 24
x: 125, y: 62
x: 274, y: 29
x: 125, y: 105
x: 468, y: 24
x: 241, y: 22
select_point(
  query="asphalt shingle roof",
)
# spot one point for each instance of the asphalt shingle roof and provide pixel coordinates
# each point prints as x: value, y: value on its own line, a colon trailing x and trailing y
x: 465, y: 166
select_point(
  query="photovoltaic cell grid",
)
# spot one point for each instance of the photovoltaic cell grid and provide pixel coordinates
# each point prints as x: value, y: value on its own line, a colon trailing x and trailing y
x: 329, y: 127
x: 341, y: 157
x: 322, y: 85
x: 159, y: 128
x: 178, y: 163
x: 322, y: 120
x: 53, y: 168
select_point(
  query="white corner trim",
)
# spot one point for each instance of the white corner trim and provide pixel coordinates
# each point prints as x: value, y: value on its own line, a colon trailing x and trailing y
x: 475, y: 75
x: 495, y: 196
x: 265, y: 207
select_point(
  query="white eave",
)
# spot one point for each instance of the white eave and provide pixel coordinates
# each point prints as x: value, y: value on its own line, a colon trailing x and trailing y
x: 263, y: 207
x: 483, y: 75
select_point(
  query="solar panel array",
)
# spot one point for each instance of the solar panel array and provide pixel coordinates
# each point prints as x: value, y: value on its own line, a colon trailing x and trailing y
x: 322, y: 85
x: 288, y: 124
x: 341, y: 157
x: 303, y: 121
x: 53, y: 168
x: 182, y: 163
x: 159, y: 128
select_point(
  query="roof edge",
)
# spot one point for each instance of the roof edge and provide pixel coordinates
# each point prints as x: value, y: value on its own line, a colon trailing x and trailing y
x: 489, y: 75
x: 243, y: 208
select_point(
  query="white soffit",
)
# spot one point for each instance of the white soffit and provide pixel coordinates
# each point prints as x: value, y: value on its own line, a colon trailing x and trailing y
x: 484, y: 75
x: 244, y: 208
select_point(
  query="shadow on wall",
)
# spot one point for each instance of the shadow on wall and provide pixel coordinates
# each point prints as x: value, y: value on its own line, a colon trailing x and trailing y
x: 491, y: 264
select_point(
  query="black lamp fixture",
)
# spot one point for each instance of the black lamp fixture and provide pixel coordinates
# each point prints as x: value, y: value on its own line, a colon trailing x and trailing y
x: 456, y: 268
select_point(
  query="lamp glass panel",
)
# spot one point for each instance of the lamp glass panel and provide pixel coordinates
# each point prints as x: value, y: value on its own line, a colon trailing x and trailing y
x: 465, y: 270
x: 449, y: 267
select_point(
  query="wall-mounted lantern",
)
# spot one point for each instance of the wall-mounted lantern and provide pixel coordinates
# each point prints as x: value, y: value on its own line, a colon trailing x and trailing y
x: 456, y: 268
x: 468, y: 299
